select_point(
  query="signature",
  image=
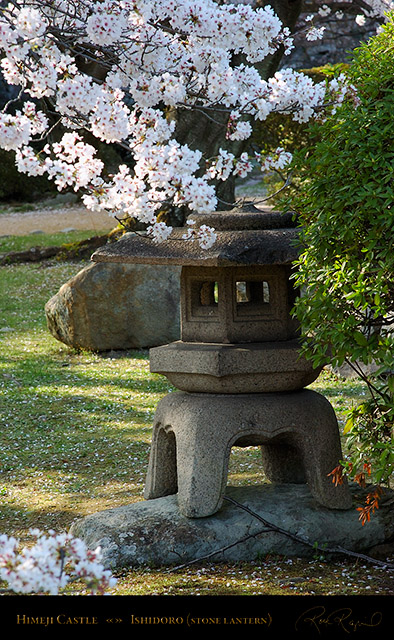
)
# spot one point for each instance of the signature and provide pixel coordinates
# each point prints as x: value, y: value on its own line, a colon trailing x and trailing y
x: 318, y: 618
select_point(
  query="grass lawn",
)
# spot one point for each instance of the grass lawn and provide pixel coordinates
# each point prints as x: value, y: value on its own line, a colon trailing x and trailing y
x: 75, y: 432
x: 24, y: 243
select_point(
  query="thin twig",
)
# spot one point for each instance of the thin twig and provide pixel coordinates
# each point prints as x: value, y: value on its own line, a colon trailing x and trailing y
x: 272, y: 527
x: 323, y: 548
x: 221, y: 550
x: 287, y: 181
x: 363, y: 376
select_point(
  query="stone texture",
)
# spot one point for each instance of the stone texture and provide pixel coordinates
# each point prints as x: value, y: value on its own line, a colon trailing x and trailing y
x: 201, y: 367
x: 155, y: 533
x: 193, y: 435
x: 261, y: 237
x: 116, y: 306
x: 237, y: 304
x: 237, y: 291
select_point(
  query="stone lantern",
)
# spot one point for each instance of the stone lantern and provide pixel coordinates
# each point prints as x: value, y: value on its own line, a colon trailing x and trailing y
x: 237, y: 366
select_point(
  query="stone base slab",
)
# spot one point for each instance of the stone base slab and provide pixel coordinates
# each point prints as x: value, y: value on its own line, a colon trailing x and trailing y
x: 155, y: 533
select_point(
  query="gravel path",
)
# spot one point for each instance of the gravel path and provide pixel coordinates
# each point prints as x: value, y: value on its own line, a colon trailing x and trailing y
x: 53, y: 220
x: 60, y: 214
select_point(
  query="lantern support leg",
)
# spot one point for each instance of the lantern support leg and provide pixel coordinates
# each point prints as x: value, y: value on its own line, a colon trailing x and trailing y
x: 193, y: 435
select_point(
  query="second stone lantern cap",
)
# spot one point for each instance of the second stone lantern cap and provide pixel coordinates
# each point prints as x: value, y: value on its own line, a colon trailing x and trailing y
x: 237, y: 331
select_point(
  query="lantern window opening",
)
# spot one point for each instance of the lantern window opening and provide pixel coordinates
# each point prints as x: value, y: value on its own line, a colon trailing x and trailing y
x: 252, y: 292
x: 202, y: 298
x: 209, y: 293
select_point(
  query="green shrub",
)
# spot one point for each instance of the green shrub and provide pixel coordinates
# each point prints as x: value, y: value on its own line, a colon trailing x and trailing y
x: 346, y: 267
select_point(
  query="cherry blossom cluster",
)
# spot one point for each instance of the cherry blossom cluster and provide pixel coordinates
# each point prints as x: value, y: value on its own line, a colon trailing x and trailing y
x: 277, y: 160
x: 16, y: 130
x: 205, y: 235
x: 112, y: 69
x: 49, y: 565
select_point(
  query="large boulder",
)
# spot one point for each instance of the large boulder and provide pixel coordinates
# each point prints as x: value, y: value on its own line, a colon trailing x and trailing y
x: 155, y: 533
x: 117, y: 306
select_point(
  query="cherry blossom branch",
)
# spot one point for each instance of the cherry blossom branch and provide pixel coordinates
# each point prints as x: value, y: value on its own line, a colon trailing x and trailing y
x: 102, y: 67
x: 50, y: 564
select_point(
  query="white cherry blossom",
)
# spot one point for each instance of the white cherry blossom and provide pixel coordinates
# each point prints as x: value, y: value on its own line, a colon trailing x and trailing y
x: 48, y: 565
x: 277, y: 160
x: 315, y: 33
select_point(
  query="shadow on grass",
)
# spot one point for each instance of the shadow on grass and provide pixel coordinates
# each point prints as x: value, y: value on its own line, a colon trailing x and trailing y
x: 74, y: 429
x: 43, y: 378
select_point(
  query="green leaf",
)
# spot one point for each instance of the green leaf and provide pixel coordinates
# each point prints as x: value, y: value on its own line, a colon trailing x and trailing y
x: 360, y: 339
x: 348, y: 425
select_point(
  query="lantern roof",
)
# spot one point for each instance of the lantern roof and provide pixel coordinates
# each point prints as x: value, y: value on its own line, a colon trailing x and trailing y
x: 244, y: 237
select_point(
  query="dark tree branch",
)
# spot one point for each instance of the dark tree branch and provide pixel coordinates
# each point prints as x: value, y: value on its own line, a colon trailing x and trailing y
x: 269, y: 526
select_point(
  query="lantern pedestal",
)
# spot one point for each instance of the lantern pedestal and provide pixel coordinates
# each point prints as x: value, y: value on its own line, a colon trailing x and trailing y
x: 193, y: 435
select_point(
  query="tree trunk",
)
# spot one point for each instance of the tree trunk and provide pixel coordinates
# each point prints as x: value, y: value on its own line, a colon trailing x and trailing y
x: 206, y: 130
